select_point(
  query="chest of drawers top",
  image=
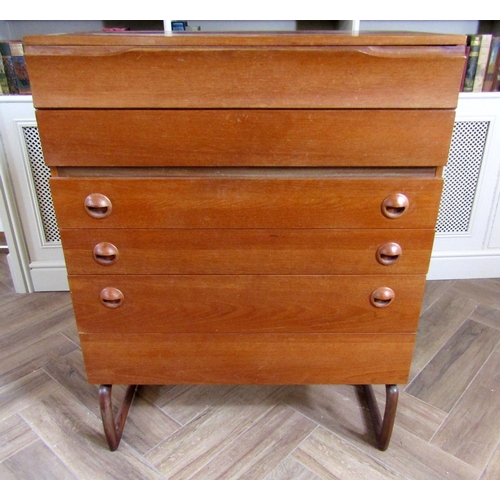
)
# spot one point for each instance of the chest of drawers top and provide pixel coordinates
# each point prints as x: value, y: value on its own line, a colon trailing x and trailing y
x: 290, y: 70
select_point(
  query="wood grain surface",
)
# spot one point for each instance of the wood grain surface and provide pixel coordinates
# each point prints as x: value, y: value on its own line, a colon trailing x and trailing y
x: 287, y: 138
x: 252, y: 77
x: 246, y: 203
x: 264, y: 359
x: 246, y: 303
x: 243, y: 38
x: 245, y: 251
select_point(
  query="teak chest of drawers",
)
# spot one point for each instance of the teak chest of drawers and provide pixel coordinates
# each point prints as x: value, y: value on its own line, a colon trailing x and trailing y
x: 246, y: 208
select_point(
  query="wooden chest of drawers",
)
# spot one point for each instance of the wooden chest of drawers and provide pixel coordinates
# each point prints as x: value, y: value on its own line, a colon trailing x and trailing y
x: 246, y: 208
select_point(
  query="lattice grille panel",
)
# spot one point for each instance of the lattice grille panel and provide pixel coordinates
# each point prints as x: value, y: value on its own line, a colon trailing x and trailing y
x: 461, y: 175
x: 41, y: 176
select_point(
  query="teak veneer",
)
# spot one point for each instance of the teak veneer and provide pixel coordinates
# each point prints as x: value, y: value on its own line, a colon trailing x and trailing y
x: 246, y: 208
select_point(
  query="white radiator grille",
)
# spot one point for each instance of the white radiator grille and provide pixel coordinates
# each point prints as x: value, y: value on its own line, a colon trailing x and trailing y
x: 461, y: 175
x: 41, y: 176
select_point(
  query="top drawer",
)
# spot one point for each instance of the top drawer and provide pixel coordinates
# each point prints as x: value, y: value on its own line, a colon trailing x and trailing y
x: 125, y: 76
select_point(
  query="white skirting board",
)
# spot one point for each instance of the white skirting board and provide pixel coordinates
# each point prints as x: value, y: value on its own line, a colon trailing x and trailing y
x: 49, y: 276
x: 473, y: 265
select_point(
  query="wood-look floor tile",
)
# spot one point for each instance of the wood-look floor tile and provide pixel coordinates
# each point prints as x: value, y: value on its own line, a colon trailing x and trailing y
x: 184, y: 403
x: 15, y: 435
x: 193, y: 446
x: 21, y: 359
x: 37, y: 462
x: 24, y: 392
x: 487, y: 315
x: 27, y: 310
x: 448, y: 374
x: 339, y: 409
x: 492, y: 471
x: 433, y: 291
x: 330, y: 457
x: 71, y: 332
x: 472, y: 431
x: 37, y: 329
x: 5, y: 277
x: 414, y: 415
x: 6, y: 474
x: 4, y: 289
x: 75, y: 436
x: 146, y: 424
x: 486, y: 291
x: 437, y: 325
x: 261, y: 448
x: 290, y: 469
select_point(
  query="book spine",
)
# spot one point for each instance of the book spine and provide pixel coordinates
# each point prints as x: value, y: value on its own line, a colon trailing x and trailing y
x: 482, y: 63
x: 492, y: 65
x: 9, y: 67
x: 467, y: 52
x: 19, y: 64
x: 475, y: 43
x: 4, y: 84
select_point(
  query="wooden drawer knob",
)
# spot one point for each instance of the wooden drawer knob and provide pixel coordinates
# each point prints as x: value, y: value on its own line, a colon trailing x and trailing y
x: 395, y: 205
x: 382, y: 297
x: 98, y: 205
x: 111, y: 297
x: 105, y: 253
x: 388, y: 253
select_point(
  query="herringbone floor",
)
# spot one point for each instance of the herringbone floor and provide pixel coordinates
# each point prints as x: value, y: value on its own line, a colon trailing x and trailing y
x: 447, y: 425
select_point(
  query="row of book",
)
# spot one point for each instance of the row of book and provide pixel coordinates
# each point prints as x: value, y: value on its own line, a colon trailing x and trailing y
x: 13, y: 73
x: 482, y: 69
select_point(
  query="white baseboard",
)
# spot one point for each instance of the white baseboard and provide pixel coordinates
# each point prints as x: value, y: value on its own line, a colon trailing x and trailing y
x: 464, y: 266
x: 49, y: 276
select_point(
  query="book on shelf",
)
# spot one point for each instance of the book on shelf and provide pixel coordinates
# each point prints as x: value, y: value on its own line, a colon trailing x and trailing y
x: 467, y: 52
x: 482, y: 63
x: 4, y: 84
x: 14, y: 65
x: 482, y: 71
x: 474, y: 42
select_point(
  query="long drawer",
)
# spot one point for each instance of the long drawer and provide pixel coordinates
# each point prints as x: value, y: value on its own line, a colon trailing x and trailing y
x: 246, y: 303
x: 238, y: 77
x: 146, y: 358
x: 247, y: 251
x: 210, y: 203
x: 246, y: 137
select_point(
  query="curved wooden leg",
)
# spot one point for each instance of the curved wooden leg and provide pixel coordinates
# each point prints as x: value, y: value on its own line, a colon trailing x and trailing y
x: 113, y: 426
x: 383, y: 427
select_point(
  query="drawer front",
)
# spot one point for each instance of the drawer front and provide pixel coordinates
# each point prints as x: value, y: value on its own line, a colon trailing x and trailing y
x: 247, y: 304
x: 210, y: 203
x: 247, y: 251
x: 259, y: 77
x: 309, y: 138
x: 277, y: 359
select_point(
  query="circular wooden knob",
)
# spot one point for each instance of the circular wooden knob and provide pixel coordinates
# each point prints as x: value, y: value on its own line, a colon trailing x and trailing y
x: 395, y: 205
x: 98, y: 205
x: 111, y: 297
x: 105, y: 253
x: 388, y: 253
x: 382, y: 297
